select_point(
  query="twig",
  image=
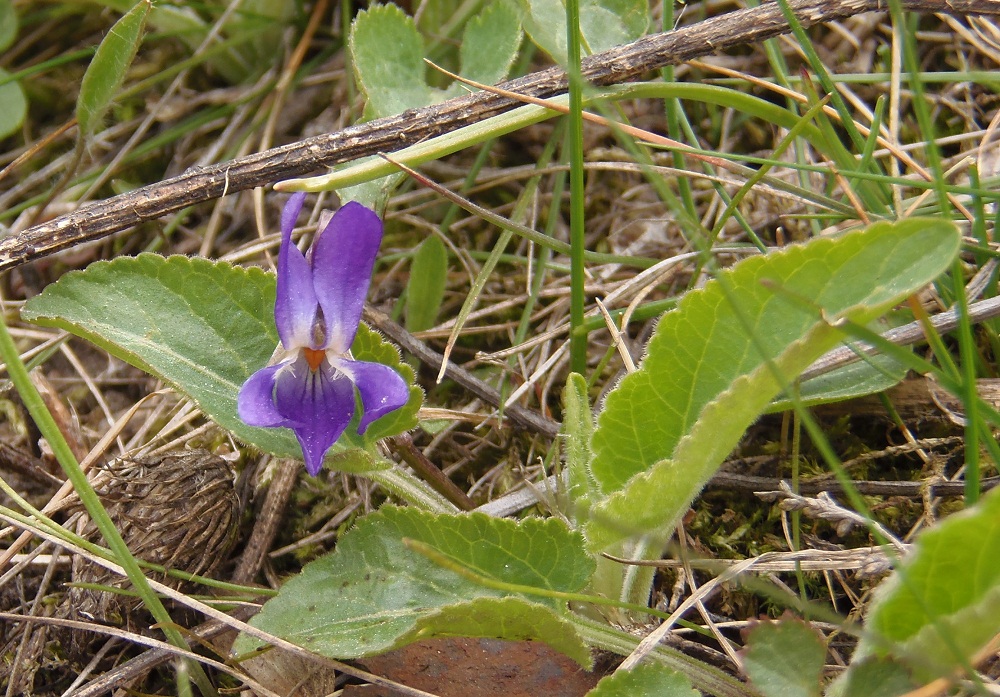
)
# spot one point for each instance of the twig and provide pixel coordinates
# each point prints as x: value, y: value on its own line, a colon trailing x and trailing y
x: 14, y: 460
x: 403, y: 446
x: 741, y: 482
x: 268, y: 521
x: 524, y: 418
x: 868, y: 560
x: 823, y: 507
x: 146, y: 661
x: 905, y: 335
x: 620, y: 64
x: 517, y: 501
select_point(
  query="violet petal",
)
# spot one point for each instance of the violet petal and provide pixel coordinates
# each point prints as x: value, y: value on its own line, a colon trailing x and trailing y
x: 382, y: 389
x: 343, y: 258
x: 290, y: 213
x: 255, y: 402
x: 295, y: 305
x: 318, y: 405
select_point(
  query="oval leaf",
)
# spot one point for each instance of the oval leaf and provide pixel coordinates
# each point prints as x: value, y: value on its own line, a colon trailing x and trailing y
x: 8, y: 24
x: 645, y: 680
x: 603, y: 24
x: 512, y: 619
x: 577, y: 430
x: 374, y: 593
x: 491, y: 42
x: 785, y: 659
x: 942, y: 605
x: 872, y: 678
x: 13, y: 105
x: 869, y: 375
x: 709, y: 367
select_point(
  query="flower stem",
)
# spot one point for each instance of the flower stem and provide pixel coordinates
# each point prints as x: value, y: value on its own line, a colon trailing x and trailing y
x: 578, y: 333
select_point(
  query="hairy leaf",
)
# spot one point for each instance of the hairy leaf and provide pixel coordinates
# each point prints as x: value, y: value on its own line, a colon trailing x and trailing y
x: 8, y: 24
x: 578, y: 427
x: 491, y: 42
x: 374, y: 593
x: 645, y: 680
x: 872, y: 677
x: 864, y: 377
x: 942, y: 605
x: 13, y: 105
x: 711, y: 366
x: 785, y: 659
x: 388, y: 54
x: 510, y: 618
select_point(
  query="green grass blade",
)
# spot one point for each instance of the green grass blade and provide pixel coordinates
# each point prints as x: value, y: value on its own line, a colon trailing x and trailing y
x: 577, y: 301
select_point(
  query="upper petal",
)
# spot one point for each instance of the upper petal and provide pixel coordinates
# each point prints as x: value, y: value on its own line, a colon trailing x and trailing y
x: 382, y: 389
x: 255, y: 402
x: 317, y: 405
x: 342, y: 259
x: 295, y: 305
x: 290, y: 213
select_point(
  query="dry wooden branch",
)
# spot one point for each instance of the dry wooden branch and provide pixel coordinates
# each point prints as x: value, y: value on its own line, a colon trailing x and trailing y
x: 520, y: 499
x: 621, y: 64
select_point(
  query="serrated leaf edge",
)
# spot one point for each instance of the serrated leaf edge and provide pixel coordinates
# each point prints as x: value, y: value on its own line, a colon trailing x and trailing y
x: 601, y: 534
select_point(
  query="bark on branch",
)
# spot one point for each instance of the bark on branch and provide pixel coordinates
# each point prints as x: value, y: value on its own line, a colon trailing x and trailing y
x: 312, y: 155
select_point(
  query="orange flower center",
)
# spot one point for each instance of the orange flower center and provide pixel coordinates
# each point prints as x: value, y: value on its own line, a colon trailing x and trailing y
x: 314, y: 357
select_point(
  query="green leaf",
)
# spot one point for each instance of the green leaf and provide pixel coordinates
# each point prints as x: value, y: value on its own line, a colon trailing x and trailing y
x: 942, y: 605
x: 603, y: 24
x: 203, y: 327
x: 435, y: 14
x: 107, y: 69
x: 387, y: 51
x: 491, y: 42
x: 867, y: 376
x: 872, y: 678
x: 785, y: 659
x: 645, y: 680
x: 666, y: 427
x: 513, y: 619
x: 425, y: 289
x: 8, y: 24
x: 374, y: 593
x: 13, y: 105
x: 388, y: 56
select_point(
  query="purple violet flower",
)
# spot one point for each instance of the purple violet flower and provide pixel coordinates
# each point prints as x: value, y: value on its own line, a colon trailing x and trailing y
x: 309, y: 385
